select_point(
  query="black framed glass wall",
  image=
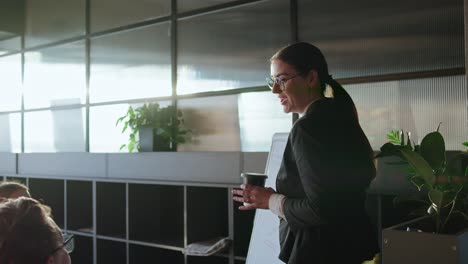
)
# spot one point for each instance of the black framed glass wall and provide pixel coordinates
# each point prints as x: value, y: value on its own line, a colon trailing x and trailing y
x: 83, y: 66
x: 404, y: 62
x: 214, y: 49
x: 372, y: 38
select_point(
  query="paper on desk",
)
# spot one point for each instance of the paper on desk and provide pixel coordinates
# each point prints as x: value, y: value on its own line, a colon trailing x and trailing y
x: 207, y: 247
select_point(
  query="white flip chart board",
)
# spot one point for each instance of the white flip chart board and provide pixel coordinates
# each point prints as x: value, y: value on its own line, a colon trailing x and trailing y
x: 264, y: 243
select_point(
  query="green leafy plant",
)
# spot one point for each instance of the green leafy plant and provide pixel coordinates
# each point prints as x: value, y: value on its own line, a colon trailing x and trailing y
x: 430, y: 172
x: 165, y: 122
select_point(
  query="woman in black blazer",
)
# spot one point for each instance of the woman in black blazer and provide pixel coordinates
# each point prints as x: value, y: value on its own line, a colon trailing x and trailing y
x: 327, y: 167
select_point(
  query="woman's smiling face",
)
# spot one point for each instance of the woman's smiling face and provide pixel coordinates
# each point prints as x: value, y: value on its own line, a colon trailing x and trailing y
x: 296, y: 95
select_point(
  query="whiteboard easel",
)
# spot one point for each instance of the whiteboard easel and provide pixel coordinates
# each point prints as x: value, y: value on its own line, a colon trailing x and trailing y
x: 264, y: 243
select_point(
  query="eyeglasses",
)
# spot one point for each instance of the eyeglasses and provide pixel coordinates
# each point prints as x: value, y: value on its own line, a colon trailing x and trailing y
x: 68, y: 244
x: 271, y: 81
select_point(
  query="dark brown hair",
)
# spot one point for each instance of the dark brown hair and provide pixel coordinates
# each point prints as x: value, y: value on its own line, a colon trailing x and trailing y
x: 7, y: 188
x: 305, y: 57
x: 27, y: 235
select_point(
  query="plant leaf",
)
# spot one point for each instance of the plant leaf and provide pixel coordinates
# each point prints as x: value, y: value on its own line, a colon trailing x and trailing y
x: 436, y: 197
x: 402, y: 136
x: 120, y: 120
x: 420, y: 166
x: 432, y: 149
x: 394, y: 137
x: 442, y: 199
x: 408, y: 142
x: 410, y: 171
x: 125, y: 127
x: 166, y: 121
x: 159, y: 131
x: 389, y: 149
x: 418, y: 182
x: 131, y: 146
x: 402, y: 162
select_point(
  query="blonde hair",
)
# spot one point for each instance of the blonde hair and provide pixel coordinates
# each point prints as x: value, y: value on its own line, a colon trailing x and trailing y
x: 8, y: 188
x: 27, y: 235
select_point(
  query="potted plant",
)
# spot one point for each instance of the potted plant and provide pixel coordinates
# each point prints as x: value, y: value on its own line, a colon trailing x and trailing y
x: 438, y: 236
x: 158, y: 128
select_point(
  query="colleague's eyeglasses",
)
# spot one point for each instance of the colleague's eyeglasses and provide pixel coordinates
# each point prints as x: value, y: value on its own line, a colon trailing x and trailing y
x: 68, y: 244
x: 271, y: 81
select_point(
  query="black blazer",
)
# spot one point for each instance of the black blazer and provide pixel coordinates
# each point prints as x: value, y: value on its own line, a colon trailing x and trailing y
x: 326, y: 169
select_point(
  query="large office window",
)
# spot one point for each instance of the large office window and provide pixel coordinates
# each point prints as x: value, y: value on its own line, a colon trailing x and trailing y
x: 190, y: 5
x: 106, y: 14
x: 107, y: 135
x: 53, y: 20
x: 10, y: 132
x: 368, y: 37
x: 418, y: 106
x: 55, y: 131
x: 214, y: 123
x: 10, y: 87
x: 131, y: 65
x: 70, y: 68
x: 260, y: 116
x: 230, y: 49
x: 55, y: 76
x: 11, y: 26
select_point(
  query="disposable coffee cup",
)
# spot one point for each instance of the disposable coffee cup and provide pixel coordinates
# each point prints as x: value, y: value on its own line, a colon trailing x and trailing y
x: 257, y: 179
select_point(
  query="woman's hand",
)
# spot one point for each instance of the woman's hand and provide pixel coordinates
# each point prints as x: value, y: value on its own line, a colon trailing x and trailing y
x: 256, y: 196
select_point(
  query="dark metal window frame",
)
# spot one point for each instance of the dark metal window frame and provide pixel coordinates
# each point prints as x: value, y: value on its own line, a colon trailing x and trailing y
x: 173, y: 20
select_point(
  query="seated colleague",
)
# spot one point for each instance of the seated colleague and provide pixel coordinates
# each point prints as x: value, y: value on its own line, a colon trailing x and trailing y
x: 13, y: 190
x: 29, y: 236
